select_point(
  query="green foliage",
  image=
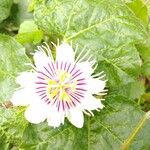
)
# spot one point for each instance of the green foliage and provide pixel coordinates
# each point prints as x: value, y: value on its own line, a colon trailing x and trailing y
x: 19, y: 12
x: 144, y: 49
x: 29, y: 33
x: 13, y: 59
x: 140, y: 10
x: 110, y: 32
x: 132, y: 90
x: 5, y: 6
x: 109, y: 129
x: 117, y: 33
x: 12, y: 126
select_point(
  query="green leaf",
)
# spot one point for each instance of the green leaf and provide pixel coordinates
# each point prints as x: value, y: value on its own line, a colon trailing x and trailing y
x: 120, y: 124
x: 140, y: 10
x: 13, y: 59
x: 132, y: 90
x: 29, y: 33
x: 147, y: 3
x: 20, y: 12
x: 144, y: 50
x: 146, y: 68
x: 12, y: 126
x: 5, y: 6
x: 109, y: 28
x: 27, y: 26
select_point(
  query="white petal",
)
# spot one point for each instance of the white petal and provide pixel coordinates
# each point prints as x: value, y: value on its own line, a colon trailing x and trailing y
x: 86, y: 68
x: 41, y: 59
x: 55, y: 117
x: 76, y: 118
x: 23, y: 97
x: 36, y: 113
x: 64, y: 53
x: 26, y: 79
x: 95, y: 85
x: 91, y: 103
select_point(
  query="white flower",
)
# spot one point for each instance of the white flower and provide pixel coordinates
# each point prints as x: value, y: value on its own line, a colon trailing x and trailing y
x: 60, y: 88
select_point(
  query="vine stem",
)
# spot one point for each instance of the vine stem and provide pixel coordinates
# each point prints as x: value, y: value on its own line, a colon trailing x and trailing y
x: 129, y: 140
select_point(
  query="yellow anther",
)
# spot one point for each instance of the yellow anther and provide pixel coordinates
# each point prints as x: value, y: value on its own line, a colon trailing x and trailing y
x: 64, y: 96
x: 52, y: 82
x: 71, y: 85
x: 54, y: 92
x: 55, y: 88
x: 63, y: 76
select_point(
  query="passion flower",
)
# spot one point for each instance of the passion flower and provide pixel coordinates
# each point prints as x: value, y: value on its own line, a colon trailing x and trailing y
x: 60, y: 88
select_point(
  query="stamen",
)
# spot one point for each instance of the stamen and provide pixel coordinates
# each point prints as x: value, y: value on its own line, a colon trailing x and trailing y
x: 97, y: 110
x: 106, y: 90
x: 80, y: 55
x: 95, y: 67
x: 47, y: 48
x: 40, y: 49
x: 87, y: 113
x: 98, y: 74
x: 92, y: 62
x: 54, y: 44
x: 102, y: 99
x: 101, y: 94
x: 101, y: 77
x: 84, y: 56
x: 28, y: 64
x: 58, y: 42
x: 89, y: 59
x: 91, y: 112
x: 76, y: 49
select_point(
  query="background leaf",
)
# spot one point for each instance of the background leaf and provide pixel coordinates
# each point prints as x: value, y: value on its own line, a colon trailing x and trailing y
x: 109, y: 129
x: 140, y: 10
x: 5, y: 6
x: 13, y: 59
x: 20, y: 12
x: 110, y: 33
x: 29, y: 33
x: 132, y: 90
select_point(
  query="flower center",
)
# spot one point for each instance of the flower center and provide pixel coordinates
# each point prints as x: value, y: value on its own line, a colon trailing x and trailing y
x: 61, y: 84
